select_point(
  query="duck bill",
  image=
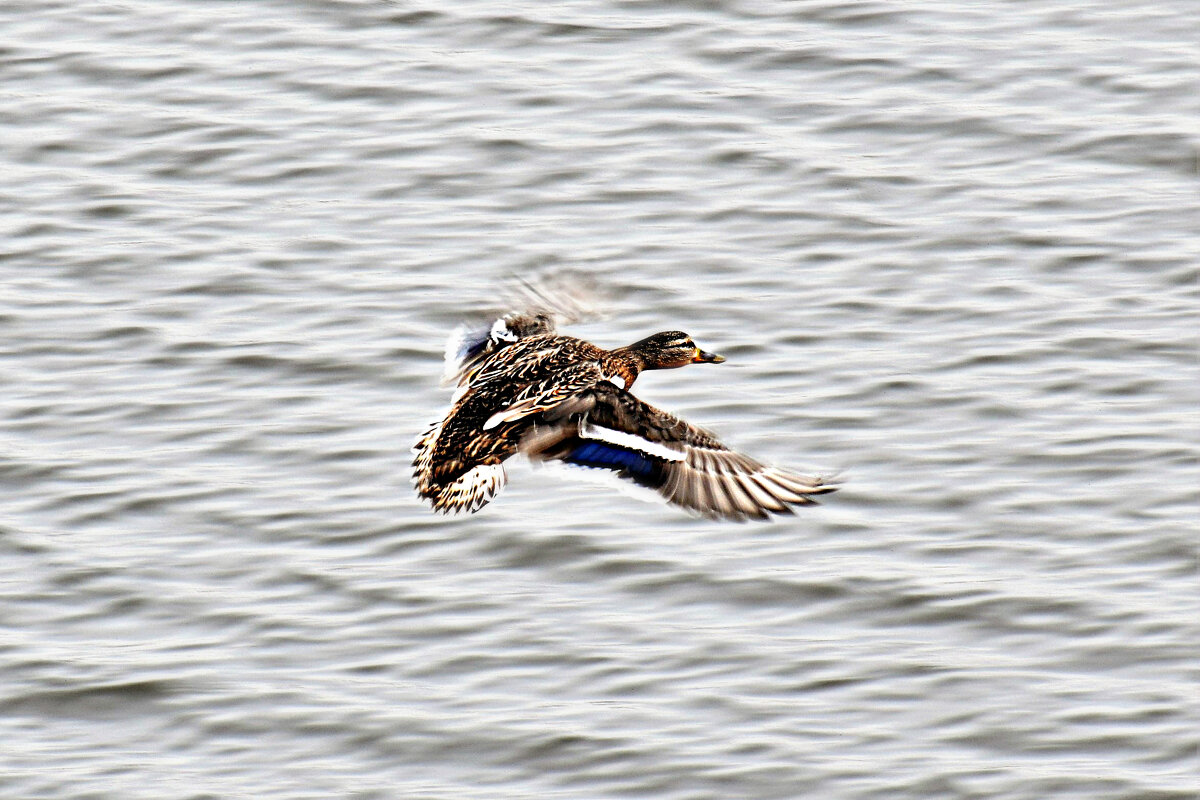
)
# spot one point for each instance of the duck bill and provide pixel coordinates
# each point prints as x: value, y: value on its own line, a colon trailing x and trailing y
x: 702, y: 357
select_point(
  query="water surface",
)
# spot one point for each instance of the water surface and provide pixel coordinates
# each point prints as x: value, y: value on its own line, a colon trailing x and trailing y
x: 951, y: 250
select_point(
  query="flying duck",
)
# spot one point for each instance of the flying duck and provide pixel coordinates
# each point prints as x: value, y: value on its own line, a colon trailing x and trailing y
x: 524, y: 388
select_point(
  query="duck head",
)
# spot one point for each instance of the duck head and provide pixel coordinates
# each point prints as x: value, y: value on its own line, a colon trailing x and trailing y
x: 668, y: 350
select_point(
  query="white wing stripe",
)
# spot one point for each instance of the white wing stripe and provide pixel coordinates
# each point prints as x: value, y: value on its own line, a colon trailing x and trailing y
x: 500, y: 331
x: 622, y: 439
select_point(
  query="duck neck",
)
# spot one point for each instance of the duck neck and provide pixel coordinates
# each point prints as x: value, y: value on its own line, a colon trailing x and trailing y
x: 622, y: 364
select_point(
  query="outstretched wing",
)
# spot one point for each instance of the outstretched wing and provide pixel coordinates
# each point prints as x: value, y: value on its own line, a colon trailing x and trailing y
x: 687, y: 465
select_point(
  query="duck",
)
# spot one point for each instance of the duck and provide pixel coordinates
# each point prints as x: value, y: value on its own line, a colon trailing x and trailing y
x: 524, y: 388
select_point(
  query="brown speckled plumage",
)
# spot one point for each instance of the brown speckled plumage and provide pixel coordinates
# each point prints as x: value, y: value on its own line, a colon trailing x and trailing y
x: 525, y: 389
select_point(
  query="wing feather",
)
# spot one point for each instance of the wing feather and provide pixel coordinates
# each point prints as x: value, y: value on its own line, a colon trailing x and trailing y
x: 687, y: 465
x: 539, y: 397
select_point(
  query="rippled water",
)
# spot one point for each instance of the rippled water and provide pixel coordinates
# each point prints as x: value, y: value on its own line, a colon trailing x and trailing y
x: 951, y: 249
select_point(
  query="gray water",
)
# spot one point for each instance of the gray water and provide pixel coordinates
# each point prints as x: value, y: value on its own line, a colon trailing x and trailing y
x: 951, y: 249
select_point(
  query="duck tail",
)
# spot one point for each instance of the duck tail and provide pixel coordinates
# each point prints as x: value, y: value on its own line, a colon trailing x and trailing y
x: 467, y: 493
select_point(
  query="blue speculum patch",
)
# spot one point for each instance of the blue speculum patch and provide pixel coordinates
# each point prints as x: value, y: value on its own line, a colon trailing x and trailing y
x: 602, y: 454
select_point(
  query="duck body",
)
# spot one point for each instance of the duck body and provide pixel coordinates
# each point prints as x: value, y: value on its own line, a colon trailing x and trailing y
x: 524, y: 388
x: 474, y: 432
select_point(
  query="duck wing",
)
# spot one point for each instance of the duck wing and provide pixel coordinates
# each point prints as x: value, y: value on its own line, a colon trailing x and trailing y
x: 540, y: 303
x: 558, y: 394
x: 687, y: 465
x: 467, y: 348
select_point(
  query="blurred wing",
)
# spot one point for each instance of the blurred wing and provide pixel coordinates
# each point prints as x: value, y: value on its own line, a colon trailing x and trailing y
x: 467, y: 348
x: 565, y: 296
x: 687, y: 465
x: 540, y: 303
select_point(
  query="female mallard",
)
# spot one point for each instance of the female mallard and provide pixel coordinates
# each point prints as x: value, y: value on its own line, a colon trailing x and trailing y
x: 524, y: 388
